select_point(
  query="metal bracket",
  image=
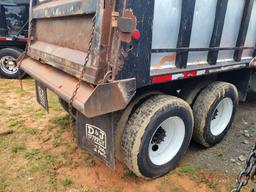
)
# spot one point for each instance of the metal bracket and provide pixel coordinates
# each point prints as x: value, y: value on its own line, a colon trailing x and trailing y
x: 125, y: 24
x: 115, y: 16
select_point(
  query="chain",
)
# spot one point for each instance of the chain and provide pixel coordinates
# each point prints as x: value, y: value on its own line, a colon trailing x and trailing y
x: 22, y: 57
x: 248, y: 172
x: 70, y: 104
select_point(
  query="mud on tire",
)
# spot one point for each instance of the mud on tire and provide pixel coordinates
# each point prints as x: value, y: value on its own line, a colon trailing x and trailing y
x: 214, y: 111
x: 147, y: 122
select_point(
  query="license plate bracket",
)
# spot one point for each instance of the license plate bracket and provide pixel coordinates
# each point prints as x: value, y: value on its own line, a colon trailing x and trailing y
x: 41, y: 95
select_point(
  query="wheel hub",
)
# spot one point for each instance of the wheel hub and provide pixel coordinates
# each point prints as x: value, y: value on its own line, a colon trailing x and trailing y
x: 8, y: 65
x: 216, y: 113
x: 166, y: 141
x: 159, y: 136
x: 221, y: 116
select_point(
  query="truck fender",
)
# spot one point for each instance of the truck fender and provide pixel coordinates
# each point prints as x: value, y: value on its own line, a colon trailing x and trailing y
x: 125, y: 117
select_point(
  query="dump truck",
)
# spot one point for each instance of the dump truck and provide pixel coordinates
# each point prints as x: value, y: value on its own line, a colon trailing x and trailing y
x: 144, y: 78
x: 13, y: 36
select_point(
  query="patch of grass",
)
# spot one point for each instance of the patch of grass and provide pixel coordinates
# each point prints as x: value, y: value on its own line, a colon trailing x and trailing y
x: 211, y: 185
x: 221, y: 156
x: 89, y: 160
x: 52, y: 181
x: 56, y: 161
x: 188, y: 170
x: 21, y: 92
x: 31, y: 131
x: 40, y: 113
x: 62, y: 121
x: 3, y: 112
x: 66, y: 182
x: 15, y: 123
x: 31, y: 153
x: 2, y: 141
x: 57, y: 142
x: 17, y: 147
x: 128, y: 175
x: 35, y: 167
x: 54, y: 103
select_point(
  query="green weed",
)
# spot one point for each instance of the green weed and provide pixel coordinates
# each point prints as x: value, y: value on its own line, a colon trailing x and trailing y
x: 188, y: 170
x: 31, y: 131
x: 62, y: 121
x: 128, y: 175
x: 66, y: 182
x: 31, y: 153
x: 35, y: 167
x: 18, y: 147
x: 15, y: 123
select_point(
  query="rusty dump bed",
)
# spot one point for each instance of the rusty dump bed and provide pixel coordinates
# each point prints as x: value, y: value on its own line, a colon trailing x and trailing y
x: 135, y: 44
x: 60, y: 33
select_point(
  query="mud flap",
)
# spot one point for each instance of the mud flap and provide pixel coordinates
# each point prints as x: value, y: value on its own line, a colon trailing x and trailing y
x: 41, y: 95
x: 96, y: 135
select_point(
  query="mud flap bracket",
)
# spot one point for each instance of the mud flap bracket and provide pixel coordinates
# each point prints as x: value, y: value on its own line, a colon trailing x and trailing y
x: 96, y: 135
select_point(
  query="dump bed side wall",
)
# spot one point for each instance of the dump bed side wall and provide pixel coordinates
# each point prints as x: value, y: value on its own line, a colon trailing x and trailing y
x: 186, y: 38
x: 203, y: 22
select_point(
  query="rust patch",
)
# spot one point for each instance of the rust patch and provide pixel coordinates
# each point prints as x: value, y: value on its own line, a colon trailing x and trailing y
x: 168, y: 58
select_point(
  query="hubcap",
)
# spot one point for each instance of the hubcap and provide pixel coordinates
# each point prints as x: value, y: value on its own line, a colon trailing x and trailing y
x: 222, y: 116
x: 166, y: 141
x: 8, y: 65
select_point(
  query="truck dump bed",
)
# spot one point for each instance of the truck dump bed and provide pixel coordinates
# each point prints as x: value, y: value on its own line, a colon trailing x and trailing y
x: 135, y: 45
x: 61, y: 34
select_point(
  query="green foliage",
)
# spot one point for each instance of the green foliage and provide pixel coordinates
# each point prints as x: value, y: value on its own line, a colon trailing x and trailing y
x: 31, y: 153
x: 62, y: 121
x: 188, y: 170
x: 18, y: 147
x: 66, y: 182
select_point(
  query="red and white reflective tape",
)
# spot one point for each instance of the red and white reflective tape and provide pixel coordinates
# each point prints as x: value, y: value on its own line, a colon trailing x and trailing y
x: 177, y: 76
x: 11, y: 39
x: 190, y: 74
x: 5, y: 39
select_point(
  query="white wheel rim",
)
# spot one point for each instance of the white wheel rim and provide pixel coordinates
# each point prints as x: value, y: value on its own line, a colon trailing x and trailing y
x: 222, y: 116
x: 164, y: 151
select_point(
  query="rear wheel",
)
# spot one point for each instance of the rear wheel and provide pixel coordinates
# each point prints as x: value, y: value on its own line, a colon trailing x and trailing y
x: 8, y: 65
x: 157, y: 135
x: 214, y: 111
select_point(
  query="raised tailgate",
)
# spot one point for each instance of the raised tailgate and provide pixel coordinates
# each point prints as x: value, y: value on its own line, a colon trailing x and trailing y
x: 60, y: 33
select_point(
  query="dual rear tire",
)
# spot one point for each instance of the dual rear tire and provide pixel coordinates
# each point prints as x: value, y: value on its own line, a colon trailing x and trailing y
x: 159, y: 131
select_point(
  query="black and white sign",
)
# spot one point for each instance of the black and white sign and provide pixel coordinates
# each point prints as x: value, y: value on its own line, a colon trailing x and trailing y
x: 41, y: 96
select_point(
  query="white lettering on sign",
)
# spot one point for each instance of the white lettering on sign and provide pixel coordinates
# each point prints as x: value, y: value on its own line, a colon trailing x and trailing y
x: 98, y: 137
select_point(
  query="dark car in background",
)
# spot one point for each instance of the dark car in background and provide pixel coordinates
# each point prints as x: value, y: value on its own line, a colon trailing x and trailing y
x: 14, y: 16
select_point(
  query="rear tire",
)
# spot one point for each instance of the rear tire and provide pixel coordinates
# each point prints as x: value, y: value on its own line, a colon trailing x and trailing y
x: 151, y: 145
x: 8, y: 65
x: 214, y: 111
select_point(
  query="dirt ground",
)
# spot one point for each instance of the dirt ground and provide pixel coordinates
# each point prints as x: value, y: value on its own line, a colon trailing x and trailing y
x: 41, y: 154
